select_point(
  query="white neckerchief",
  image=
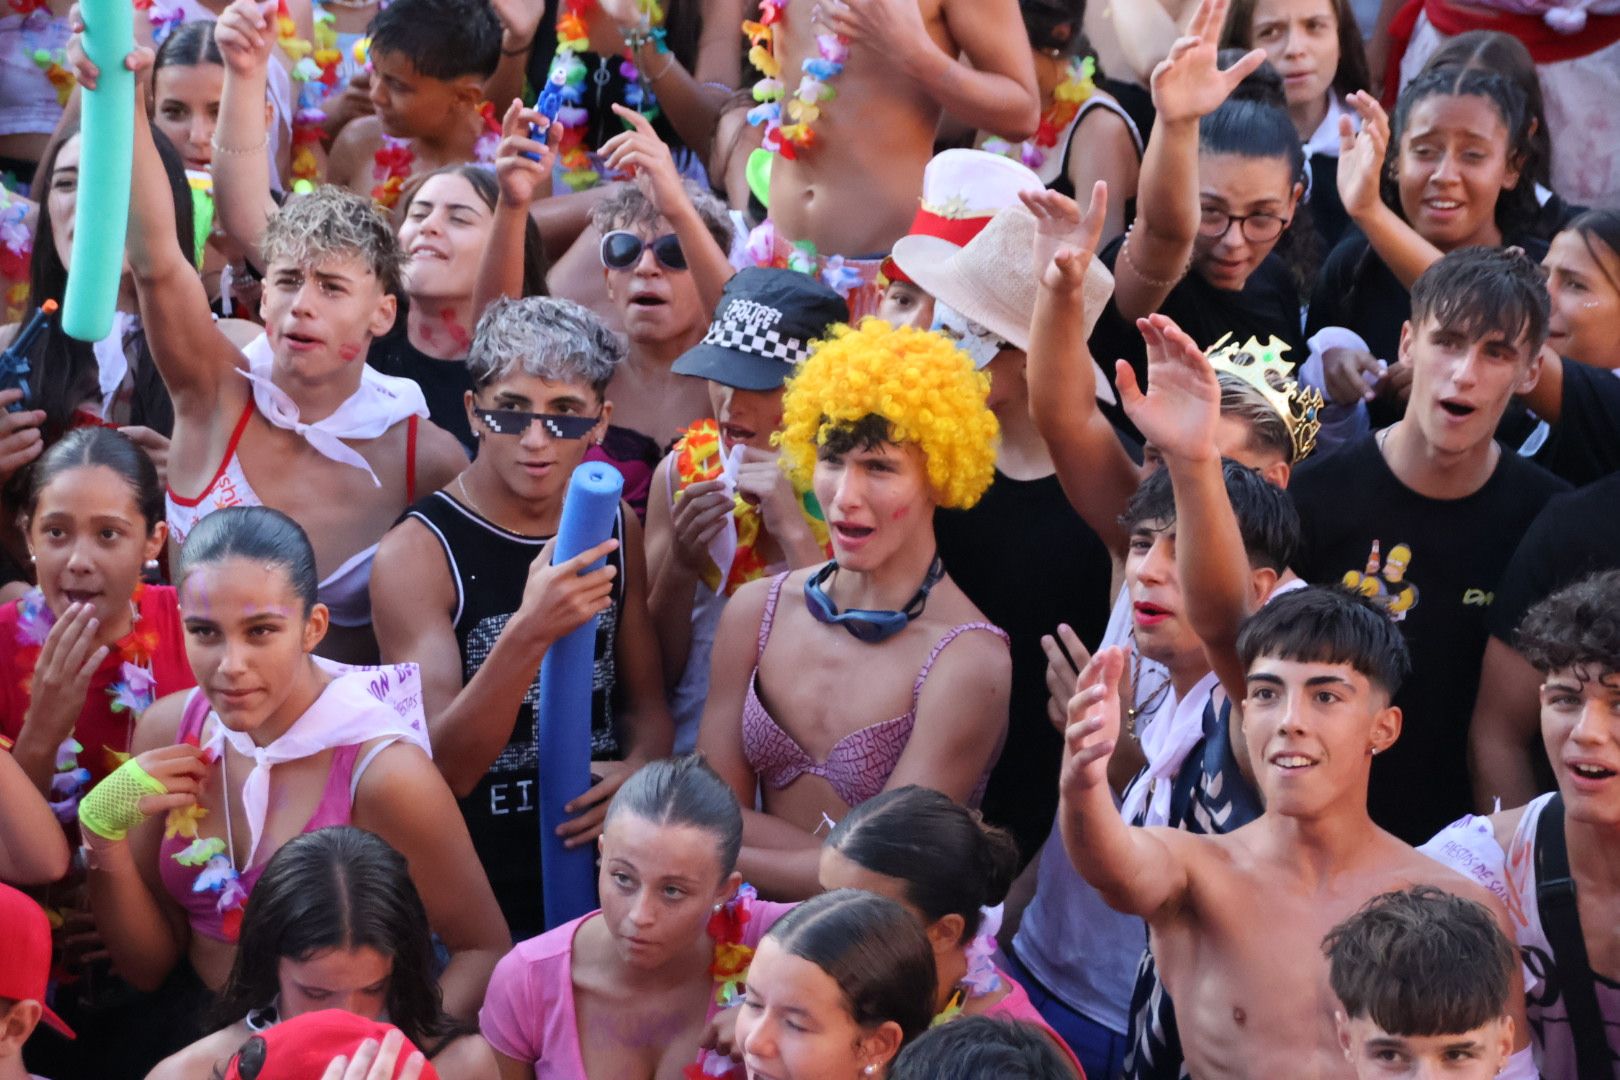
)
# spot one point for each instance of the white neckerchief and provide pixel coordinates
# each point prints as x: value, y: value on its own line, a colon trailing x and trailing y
x: 723, y: 548
x: 1165, y: 743
x: 112, y: 363
x: 381, y: 402
x: 1325, y: 139
x: 358, y: 705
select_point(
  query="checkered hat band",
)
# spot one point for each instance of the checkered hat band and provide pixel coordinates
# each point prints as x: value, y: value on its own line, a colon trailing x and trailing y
x: 745, y: 338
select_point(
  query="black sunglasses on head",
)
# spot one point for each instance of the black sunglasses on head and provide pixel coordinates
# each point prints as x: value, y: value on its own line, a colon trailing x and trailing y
x: 516, y: 422
x: 622, y: 250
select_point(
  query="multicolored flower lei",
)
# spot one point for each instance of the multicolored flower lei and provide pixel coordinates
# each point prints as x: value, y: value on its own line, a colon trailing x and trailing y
x: 1078, y: 85
x: 730, y: 971
x: 16, y: 252
x: 698, y: 456
x: 982, y: 975
x: 814, y: 90
x: 567, y: 74
x: 132, y: 693
x: 60, y: 78
x: 391, y: 164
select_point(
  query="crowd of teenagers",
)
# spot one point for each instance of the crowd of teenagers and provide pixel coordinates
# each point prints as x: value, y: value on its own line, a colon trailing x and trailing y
x: 1118, y: 572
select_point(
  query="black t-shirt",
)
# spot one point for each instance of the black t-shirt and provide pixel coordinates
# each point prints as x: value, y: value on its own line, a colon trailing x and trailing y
x: 1267, y: 304
x: 491, y: 567
x: 1328, y: 215
x: 1576, y: 534
x: 1026, y: 560
x: 444, y: 382
x: 1440, y: 563
x: 1584, y: 445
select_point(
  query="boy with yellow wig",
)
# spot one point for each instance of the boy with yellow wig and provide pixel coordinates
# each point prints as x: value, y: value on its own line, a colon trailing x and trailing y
x: 871, y: 671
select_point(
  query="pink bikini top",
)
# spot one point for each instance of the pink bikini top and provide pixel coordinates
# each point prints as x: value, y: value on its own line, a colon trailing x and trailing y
x: 861, y: 762
x: 335, y: 808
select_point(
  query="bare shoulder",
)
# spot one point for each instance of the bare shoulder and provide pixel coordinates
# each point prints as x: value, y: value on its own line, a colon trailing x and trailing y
x: 411, y: 561
x: 467, y: 1058
x: 198, y: 1061
x: 354, y: 146
x: 160, y: 724
x: 440, y: 457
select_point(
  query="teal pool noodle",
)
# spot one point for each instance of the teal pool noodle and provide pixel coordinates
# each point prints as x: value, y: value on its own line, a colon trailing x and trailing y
x: 107, y: 151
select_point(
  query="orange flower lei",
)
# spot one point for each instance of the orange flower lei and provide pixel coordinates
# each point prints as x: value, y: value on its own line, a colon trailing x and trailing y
x: 698, y: 457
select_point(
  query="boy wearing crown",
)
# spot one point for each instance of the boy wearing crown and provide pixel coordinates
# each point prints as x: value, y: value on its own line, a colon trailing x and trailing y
x: 851, y: 102
x: 1424, y: 515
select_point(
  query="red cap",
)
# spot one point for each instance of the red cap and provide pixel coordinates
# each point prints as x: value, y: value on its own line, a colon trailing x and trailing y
x: 302, y: 1048
x: 25, y: 953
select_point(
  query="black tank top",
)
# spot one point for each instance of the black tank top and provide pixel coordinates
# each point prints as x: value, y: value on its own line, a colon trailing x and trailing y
x: 490, y: 567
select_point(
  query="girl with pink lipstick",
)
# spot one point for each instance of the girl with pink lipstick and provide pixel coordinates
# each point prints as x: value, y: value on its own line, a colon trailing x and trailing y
x: 272, y: 745
x: 1568, y: 939
x: 871, y: 671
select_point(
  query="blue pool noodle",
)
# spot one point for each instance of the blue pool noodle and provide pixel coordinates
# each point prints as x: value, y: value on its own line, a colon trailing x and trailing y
x: 568, y: 877
x: 104, y: 172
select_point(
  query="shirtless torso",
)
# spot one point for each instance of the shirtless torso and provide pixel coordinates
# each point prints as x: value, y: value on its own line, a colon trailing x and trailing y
x: 1242, y: 954
x: 854, y: 192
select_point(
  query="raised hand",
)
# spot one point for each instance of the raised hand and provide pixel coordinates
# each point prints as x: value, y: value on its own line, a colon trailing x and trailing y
x: 557, y: 600
x: 377, y: 1061
x: 67, y: 661
x: 641, y: 151
x: 1066, y: 657
x: 1189, y: 84
x: 87, y: 73
x: 1182, y: 406
x: 1361, y: 155
x: 1093, y: 725
x: 520, y: 19
x: 1351, y: 375
x: 892, y: 27
x: 700, y: 513
x: 1062, y: 231
x: 20, y: 440
x: 245, y: 35
x: 522, y: 179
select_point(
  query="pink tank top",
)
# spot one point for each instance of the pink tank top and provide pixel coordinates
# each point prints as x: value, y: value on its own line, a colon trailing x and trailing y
x: 861, y: 762
x: 335, y: 808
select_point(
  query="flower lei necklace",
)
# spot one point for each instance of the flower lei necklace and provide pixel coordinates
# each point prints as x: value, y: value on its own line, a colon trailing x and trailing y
x: 699, y: 456
x: 982, y: 977
x: 815, y: 87
x: 566, y: 79
x: 214, y: 858
x: 1077, y: 85
x: 16, y: 253
x: 391, y: 164
x: 132, y: 693
x: 730, y: 971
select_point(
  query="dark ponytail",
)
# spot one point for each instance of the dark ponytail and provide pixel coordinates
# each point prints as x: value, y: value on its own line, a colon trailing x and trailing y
x: 259, y: 534
x: 948, y: 859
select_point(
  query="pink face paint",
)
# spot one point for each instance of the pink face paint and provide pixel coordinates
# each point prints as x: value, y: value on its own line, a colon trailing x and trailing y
x: 457, y: 332
x: 901, y: 514
x: 349, y: 352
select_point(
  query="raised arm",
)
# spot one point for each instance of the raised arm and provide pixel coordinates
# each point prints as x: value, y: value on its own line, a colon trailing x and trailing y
x: 1181, y: 411
x: 192, y: 355
x: 690, y: 99
x: 520, y: 21
x: 995, y: 91
x: 404, y: 800
x: 1187, y: 86
x: 1097, y: 474
x: 640, y: 149
x: 241, y: 165
x: 33, y: 848
x: 521, y: 180
x: 1505, y: 732
x: 1361, y: 165
x: 1138, y: 871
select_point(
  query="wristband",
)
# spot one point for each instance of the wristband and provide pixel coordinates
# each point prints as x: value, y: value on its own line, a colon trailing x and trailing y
x: 113, y: 806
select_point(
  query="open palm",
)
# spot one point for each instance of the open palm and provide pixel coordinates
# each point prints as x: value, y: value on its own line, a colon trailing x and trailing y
x: 1189, y: 83
x: 1181, y: 408
x: 1060, y: 227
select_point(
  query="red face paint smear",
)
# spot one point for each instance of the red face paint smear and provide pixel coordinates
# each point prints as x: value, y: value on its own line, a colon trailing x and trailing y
x: 457, y: 332
x: 900, y: 514
x: 349, y: 352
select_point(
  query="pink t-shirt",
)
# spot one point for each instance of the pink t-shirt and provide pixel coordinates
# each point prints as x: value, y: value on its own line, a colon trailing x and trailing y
x: 528, y: 1013
x: 1017, y: 1006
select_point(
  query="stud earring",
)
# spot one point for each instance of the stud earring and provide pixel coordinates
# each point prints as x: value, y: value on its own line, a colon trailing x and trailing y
x: 870, y: 1070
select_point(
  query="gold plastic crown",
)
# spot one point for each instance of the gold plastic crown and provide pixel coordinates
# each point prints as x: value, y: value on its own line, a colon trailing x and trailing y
x: 1263, y: 367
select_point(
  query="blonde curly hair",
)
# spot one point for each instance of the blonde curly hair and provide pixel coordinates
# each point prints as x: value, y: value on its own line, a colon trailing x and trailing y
x: 922, y: 385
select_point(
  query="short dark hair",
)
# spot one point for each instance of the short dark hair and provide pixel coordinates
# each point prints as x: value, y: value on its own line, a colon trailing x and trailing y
x: 1481, y: 290
x: 628, y: 206
x: 974, y: 1047
x: 684, y: 791
x: 443, y: 39
x: 949, y: 861
x: 1328, y: 625
x: 1577, y: 626
x: 873, y: 949
x: 1421, y: 962
x: 256, y: 533
x: 1265, y: 514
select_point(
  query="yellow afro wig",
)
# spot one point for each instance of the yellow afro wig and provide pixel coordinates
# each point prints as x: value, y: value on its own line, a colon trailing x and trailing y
x: 922, y: 384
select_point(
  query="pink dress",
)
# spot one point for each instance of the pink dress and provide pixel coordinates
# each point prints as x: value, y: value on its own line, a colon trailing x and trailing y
x: 529, y: 1015
x: 1016, y: 1006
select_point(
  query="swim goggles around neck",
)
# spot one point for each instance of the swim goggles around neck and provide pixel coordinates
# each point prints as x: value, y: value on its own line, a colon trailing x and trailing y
x: 870, y: 627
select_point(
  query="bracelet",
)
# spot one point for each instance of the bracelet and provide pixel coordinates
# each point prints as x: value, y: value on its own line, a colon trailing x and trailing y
x: 669, y: 62
x: 1125, y: 253
x: 229, y: 151
x: 656, y: 36
x: 520, y: 50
